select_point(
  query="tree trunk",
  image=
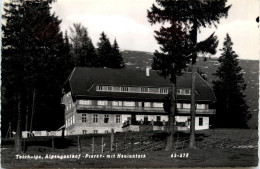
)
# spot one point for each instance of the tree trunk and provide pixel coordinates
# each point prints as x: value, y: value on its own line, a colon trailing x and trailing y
x: 193, y: 85
x: 171, y: 119
x: 193, y: 108
x: 33, y: 108
x: 18, y: 135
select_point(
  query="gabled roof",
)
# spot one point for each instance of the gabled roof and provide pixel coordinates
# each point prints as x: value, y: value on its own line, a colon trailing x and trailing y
x: 82, y: 82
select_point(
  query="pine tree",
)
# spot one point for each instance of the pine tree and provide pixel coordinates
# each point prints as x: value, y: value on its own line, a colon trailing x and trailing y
x: 31, y: 52
x: 104, y: 51
x: 89, y: 56
x: 191, y: 15
x: 169, y: 62
x: 232, y: 110
x: 116, y: 57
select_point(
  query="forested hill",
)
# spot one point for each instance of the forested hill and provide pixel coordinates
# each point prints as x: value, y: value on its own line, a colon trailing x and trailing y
x: 139, y: 60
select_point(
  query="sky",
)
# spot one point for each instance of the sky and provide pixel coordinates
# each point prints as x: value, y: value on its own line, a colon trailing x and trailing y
x: 126, y: 20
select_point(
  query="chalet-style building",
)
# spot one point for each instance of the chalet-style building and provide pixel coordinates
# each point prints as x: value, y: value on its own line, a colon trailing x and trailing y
x: 99, y: 99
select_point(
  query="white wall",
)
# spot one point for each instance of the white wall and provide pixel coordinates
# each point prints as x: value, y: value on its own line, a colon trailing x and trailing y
x: 205, y: 124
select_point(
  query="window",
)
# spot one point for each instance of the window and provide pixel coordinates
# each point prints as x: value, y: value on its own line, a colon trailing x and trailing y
x: 145, y: 119
x: 163, y: 90
x: 120, y: 103
x: 66, y: 123
x: 186, y: 106
x: 200, y: 106
x: 104, y: 88
x: 73, y: 119
x: 178, y: 91
x: 200, y: 121
x: 118, y: 118
x: 157, y: 104
x: 144, y: 90
x: 95, y: 131
x: 99, y: 88
x: 95, y: 118
x: 158, y: 118
x: 115, y: 103
x: 84, y: 131
x: 147, y: 104
x: 179, y: 105
x: 106, y: 118
x: 85, y: 102
x: 101, y: 102
x: 184, y: 91
x: 84, y: 118
x: 129, y: 104
x: 124, y: 89
x: 109, y: 88
x: 67, y: 107
x: 187, y: 91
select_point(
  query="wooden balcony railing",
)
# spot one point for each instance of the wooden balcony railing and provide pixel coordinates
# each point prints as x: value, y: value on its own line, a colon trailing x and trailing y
x: 141, y: 109
x: 198, y: 111
x: 121, y: 108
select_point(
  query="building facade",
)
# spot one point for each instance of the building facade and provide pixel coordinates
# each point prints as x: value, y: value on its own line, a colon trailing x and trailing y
x: 97, y: 100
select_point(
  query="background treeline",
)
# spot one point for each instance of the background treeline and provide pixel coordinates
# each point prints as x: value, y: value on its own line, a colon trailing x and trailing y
x: 36, y: 60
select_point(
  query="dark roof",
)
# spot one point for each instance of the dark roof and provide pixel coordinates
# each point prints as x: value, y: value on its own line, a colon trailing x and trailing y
x: 82, y: 82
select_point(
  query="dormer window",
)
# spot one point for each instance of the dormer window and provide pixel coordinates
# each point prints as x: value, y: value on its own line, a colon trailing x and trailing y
x: 144, y: 90
x: 183, y: 91
x: 124, y: 89
x: 104, y: 88
x: 163, y: 90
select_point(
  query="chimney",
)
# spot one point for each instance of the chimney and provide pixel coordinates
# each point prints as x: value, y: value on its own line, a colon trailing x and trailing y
x: 147, y: 71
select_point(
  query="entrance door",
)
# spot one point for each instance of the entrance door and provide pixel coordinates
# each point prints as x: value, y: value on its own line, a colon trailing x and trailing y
x: 133, y: 119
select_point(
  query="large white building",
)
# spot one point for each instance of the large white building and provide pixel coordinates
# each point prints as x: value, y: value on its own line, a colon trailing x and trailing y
x: 97, y: 99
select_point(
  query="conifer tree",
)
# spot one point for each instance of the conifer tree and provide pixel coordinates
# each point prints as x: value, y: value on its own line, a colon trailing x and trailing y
x: 232, y: 110
x: 31, y: 52
x: 116, y: 57
x: 104, y: 51
x: 191, y: 15
x: 84, y: 50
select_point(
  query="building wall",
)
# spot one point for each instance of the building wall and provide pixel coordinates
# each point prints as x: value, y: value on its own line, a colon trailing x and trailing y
x: 89, y: 126
x: 205, y: 122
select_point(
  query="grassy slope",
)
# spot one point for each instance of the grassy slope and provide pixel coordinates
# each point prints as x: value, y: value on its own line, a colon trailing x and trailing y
x: 215, y: 156
x: 140, y: 60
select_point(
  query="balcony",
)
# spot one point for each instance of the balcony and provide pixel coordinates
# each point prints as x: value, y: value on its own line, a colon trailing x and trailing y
x: 121, y: 108
x: 142, y: 109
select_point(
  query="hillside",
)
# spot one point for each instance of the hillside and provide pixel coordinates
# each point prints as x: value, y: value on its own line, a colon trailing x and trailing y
x: 140, y: 60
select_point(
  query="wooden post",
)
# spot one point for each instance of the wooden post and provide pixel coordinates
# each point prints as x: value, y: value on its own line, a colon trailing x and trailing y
x: 177, y: 141
x: 102, y: 145
x: 93, y: 145
x: 116, y: 144
x: 125, y: 143
x: 52, y: 141
x: 112, y: 140
x: 140, y: 143
x: 152, y: 141
x: 10, y: 134
x: 79, y: 146
x: 24, y: 145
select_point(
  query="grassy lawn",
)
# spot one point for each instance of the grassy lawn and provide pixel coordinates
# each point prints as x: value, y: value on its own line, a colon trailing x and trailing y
x: 215, y: 148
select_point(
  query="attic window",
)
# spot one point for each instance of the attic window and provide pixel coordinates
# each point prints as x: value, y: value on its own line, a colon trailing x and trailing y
x: 163, y: 90
x: 144, y: 90
x: 124, y: 89
x: 184, y: 91
x: 104, y: 88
